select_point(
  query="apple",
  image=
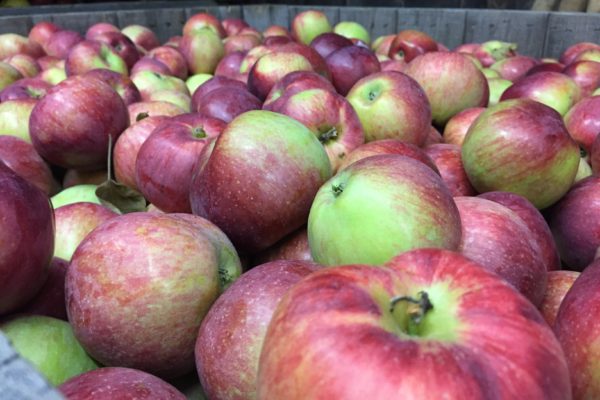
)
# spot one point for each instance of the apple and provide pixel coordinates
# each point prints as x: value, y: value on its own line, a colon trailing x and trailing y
x: 381, y: 45
x: 8, y: 74
x: 166, y: 160
x: 349, y: 64
x: 540, y: 231
x: 309, y: 24
x: 122, y: 45
x: 150, y: 64
x: 15, y: 116
x: 328, y: 42
x: 49, y: 345
x: 276, y: 30
x: 256, y: 295
x: 392, y: 65
x: 559, y: 283
x: 50, y: 299
x: 12, y: 43
x: 240, y: 42
x: 571, y: 52
x: 46, y: 62
x: 118, y: 383
x: 172, y: 58
x: 61, y: 42
x: 27, y: 218
x: 352, y: 30
x: 521, y: 146
x: 497, y: 88
x: 256, y: 184
x: 447, y: 159
x: 575, y: 224
x: 586, y: 75
x: 292, y: 247
x: 26, y: 65
x: 409, y: 207
x: 230, y: 65
x: 583, y: 121
x: 272, y: 67
x: 457, y: 127
x: 514, y: 68
x: 74, y: 222
x: 410, y: 43
x: 177, y: 97
x: 123, y: 85
x: 431, y: 324
x: 204, y: 21
x: 546, y: 66
x: 330, y: 117
x: 54, y: 75
x: 73, y: 177
x: 233, y: 26
x: 84, y: 192
x: 21, y: 157
x: 216, y: 82
x: 149, y: 82
x: 388, y: 146
x: 149, y: 273
x: 40, y: 32
x: 77, y: 137
x: 391, y: 105
x: 293, y: 83
x: 584, y: 170
x: 202, y: 50
x: 577, y: 331
x: 441, y: 74
x: 492, y: 51
x: 143, y: 109
x: 595, y: 155
x: 26, y: 88
x: 588, y: 55
x: 194, y: 81
x: 142, y: 36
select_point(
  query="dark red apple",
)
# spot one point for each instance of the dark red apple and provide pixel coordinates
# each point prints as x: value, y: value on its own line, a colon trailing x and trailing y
x: 411, y: 43
x: 88, y: 55
x: 586, y: 75
x: 293, y: 83
x: 457, y: 127
x: 122, y: 45
x: 292, y: 247
x: 595, y: 155
x: 27, y: 88
x: 230, y: 64
x: 123, y: 85
x: 349, y: 64
x: 241, y: 42
x: 550, y: 66
x: 216, y: 82
x: 50, y: 300
x: 583, y: 121
x: 226, y: 103
x: 449, y: 163
x: 559, y: 283
x: 514, y: 68
x: 233, y: 26
x: 61, y: 42
x: 100, y: 28
x: 328, y: 42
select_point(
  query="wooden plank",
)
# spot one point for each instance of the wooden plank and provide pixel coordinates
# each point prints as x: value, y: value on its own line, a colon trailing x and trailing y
x: 526, y: 28
x: 363, y: 15
x: 385, y: 21
x: 164, y: 22
x: 444, y: 25
x: 566, y: 29
x: 196, y: 9
x: 19, y: 380
x: 280, y: 15
x: 20, y: 24
x: 258, y: 16
x: 233, y: 11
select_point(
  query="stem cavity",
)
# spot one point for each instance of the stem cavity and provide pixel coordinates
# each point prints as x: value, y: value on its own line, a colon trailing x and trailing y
x: 337, y: 189
x: 328, y: 135
x: 416, y: 310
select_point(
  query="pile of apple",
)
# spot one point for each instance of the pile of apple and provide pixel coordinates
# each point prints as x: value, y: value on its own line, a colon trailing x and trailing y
x: 299, y: 214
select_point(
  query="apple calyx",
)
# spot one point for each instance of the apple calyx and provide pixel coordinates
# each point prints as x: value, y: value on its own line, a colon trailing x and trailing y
x: 328, y: 135
x: 198, y: 133
x: 141, y: 116
x: 416, y: 310
x: 337, y: 189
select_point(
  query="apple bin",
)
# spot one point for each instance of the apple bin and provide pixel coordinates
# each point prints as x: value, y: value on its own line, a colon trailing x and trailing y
x: 298, y: 202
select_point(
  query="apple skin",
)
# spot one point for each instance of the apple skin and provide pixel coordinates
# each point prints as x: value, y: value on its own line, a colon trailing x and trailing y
x: 233, y: 26
x: 571, y: 52
x: 204, y: 21
x: 77, y: 136
x: 143, y: 109
x: 388, y: 146
x: 149, y: 82
x: 40, y: 32
x: 61, y: 42
x: 226, y: 103
x: 99, y: 28
x: 194, y: 81
x: 12, y: 43
x: 588, y: 55
x: 48, y: 62
x: 330, y: 117
x: 75, y: 177
x: 514, y: 68
x: 595, y: 155
x: 202, y: 50
x: 8, y: 74
x: 21, y: 157
x: 586, y: 75
x: 122, y: 45
x: 150, y: 64
x: 54, y: 75
x: 409, y: 43
x: 75, y: 194
x: 292, y: 247
x: 110, y: 383
x: 241, y: 42
x: 575, y: 223
x: 540, y: 231
x: 123, y: 85
x: 328, y: 42
x: 349, y: 64
x: 457, y: 127
x: 443, y: 73
x: 293, y: 83
x: 409, y: 207
x: 211, y: 84
x: 448, y: 161
x: 242, y: 315
x: 25, y: 64
x: 167, y: 159
x: 148, y: 272
x: 15, y: 116
x: 497, y: 88
x: 340, y: 324
x: 276, y: 30
x: 391, y: 105
x: 230, y: 64
x: 309, y: 24
x: 352, y: 30
x: 172, y: 58
x: 49, y: 345
x: 271, y: 68
x: 181, y: 99
x: 141, y: 36
x: 73, y: 222
x: 27, y: 88
x: 577, y: 330
x: 521, y: 146
x: 549, y: 66
x: 253, y: 207
x: 50, y: 300
x: 583, y: 121
x: 27, y: 218
x: 559, y: 283
x: 553, y: 89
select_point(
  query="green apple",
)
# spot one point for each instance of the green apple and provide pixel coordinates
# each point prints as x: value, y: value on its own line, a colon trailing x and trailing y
x: 149, y: 82
x: 75, y: 194
x: 180, y: 99
x: 497, y: 87
x: 196, y: 80
x: 202, y: 49
x: 54, y: 75
x: 352, y: 30
x: 14, y: 118
x: 583, y: 171
x: 8, y: 74
x: 490, y: 73
x: 49, y: 344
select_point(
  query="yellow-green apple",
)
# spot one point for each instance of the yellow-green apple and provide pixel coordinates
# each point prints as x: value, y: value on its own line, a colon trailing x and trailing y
x: 40, y: 32
x: 252, y: 55
x: 49, y: 345
x: 583, y: 121
x: 442, y: 73
x: 584, y: 170
x: 122, y: 45
x: 492, y: 51
x: 204, y: 21
x: 202, y: 50
x: 15, y: 116
x: 410, y: 43
x: 88, y: 55
x: 177, y: 97
x: 448, y: 161
x: 559, y: 283
x: 575, y: 223
x: 293, y: 83
x: 568, y: 56
x: 292, y: 247
x: 521, y: 146
x: 409, y: 207
x: 309, y: 24
x: 586, y: 75
x: 233, y: 26
x: 230, y: 66
x: 25, y: 64
x: 148, y: 82
x: 196, y: 80
x: 167, y: 159
x: 497, y: 88
x: 50, y: 299
x: 12, y: 43
x: 273, y: 66
x: 118, y: 383
x: 74, y: 222
x: 456, y: 128
x: 514, y: 68
x: 388, y: 146
x: 349, y: 64
x: 74, y: 177
x: 540, y: 231
x: 391, y: 105
x: 328, y: 42
x: 21, y: 157
x: 259, y: 179
x: 142, y: 36
x: 140, y: 110
x: 330, y: 117
x: 576, y: 327
x: 588, y: 55
x: 240, y: 42
x: 61, y: 42
x: 70, y: 126
x: 352, y: 30
x: 148, y: 273
x: 27, y: 219
x: 242, y: 315
x: 553, y: 89
x: 430, y: 324
x: 172, y: 58
x: 123, y: 85
x: 8, y: 74
x: 83, y: 192
x: 498, y: 239
x: 55, y: 74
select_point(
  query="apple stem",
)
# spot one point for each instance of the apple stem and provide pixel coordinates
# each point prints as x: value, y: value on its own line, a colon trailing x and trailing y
x: 417, y: 308
x: 199, y: 133
x: 141, y: 116
x: 328, y: 135
x: 337, y: 189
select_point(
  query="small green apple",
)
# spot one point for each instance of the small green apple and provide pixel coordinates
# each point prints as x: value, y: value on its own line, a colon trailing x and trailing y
x: 352, y: 30
x: 76, y: 194
x: 196, y: 80
x: 497, y: 87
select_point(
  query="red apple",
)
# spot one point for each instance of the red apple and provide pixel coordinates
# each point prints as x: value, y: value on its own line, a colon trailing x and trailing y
x: 40, y: 32
x: 233, y: 26
x: 150, y: 64
x: 26, y: 65
x: 49, y: 62
x: 429, y: 325
x: 309, y: 24
x: 50, y: 300
x: 276, y: 30
x: 586, y: 75
x: 328, y: 42
x: 457, y: 127
x: 292, y: 247
x: 140, y: 110
x: 211, y: 84
x: 583, y: 121
x: 349, y: 64
x: 88, y: 55
x: 21, y: 157
x: 568, y: 56
x: 123, y: 85
x: 172, y: 58
x: 271, y: 68
x: 99, y: 28
x: 12, y: 43
x: 448, y: 162
x: 409, y: 43
x: 559, y: 283
x: 240, y: 42
x: 595, y: 155
x: 27, y: 88
x: 141, y: 36
x: 230, y: 64
x: 61, y: 42
x: 203, y: 21
x: 393, y: 65
x: 494, y: 50
x: 122, y: 45
x: 293, y: 83
x: 514, y: 68
x: 226, y: 103
x: 546, y: 66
